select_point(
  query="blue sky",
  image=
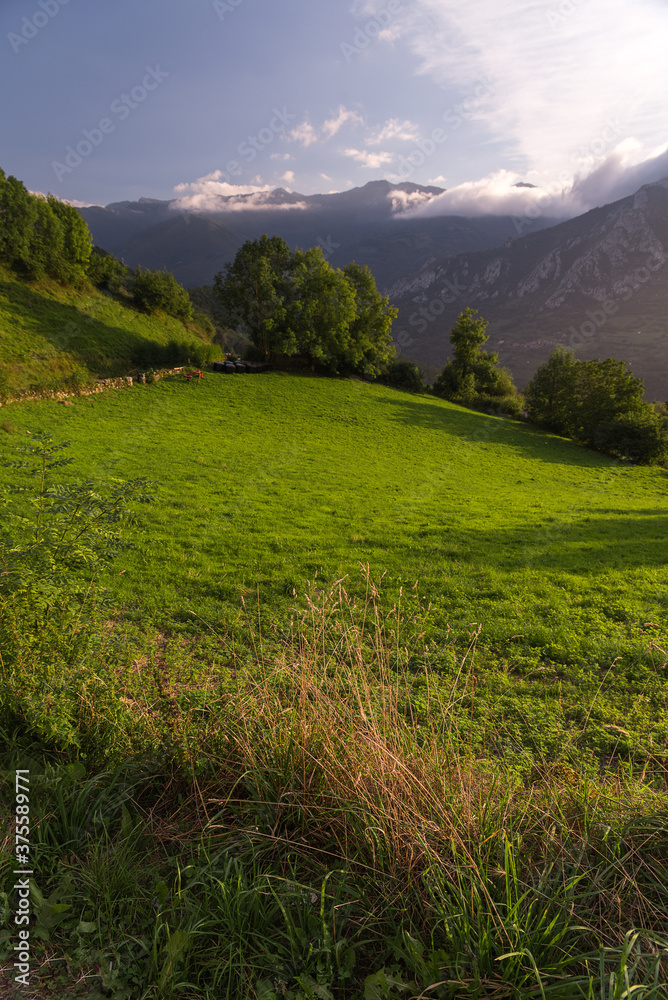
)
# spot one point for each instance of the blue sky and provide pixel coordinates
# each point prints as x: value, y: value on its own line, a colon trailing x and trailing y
x: 197, y: 99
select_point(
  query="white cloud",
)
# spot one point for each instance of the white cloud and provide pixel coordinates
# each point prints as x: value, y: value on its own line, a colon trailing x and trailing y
x: 304, y: 133
x: 403, y: 201
x: 394, y: 129
x: 615, y: 176
x: 559, y: 90
x: 281, y: 156
x: 437, y: 181
x: 210, y: 194
x: 288, y: 177
x: 367, y: 159
x: 326, y: 177
x: 66, y: 201
x: 336, y: 123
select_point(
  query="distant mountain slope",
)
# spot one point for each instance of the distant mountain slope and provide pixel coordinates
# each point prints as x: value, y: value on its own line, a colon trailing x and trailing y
x: 597, y: 283
x: 364, y: 224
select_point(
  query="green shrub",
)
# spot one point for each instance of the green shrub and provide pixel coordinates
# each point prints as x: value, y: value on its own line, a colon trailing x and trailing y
x: 106, y: 271
x: 472, y: 376
x: 403, y: 375
x: 639, y: 437
x: 159, y: 291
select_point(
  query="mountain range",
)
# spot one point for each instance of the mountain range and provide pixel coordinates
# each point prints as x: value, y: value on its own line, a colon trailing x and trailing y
x: 372, y: 225
x: 597, y: 283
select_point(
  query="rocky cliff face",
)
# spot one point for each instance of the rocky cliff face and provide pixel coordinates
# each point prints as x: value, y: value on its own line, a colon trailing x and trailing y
x: 597, y: 284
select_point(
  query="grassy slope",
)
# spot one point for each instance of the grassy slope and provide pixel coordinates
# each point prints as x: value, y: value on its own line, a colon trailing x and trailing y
x: 292, y: 813
x: 555, y: 552
x: 47, y: 331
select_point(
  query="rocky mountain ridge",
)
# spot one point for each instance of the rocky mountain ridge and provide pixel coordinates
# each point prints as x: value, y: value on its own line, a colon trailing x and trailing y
x: 594, y: 283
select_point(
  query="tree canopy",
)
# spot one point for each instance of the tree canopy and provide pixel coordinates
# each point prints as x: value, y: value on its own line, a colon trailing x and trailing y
x: 295, y: 304
x: 599, y: 403
x: 473, y: 376
x: 159, y: 290
x: 41, y: 237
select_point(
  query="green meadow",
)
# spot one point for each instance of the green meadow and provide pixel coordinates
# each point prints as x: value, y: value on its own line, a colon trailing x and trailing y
x: 49, y: 331
x: 551, y: 556
x: 374, y: 706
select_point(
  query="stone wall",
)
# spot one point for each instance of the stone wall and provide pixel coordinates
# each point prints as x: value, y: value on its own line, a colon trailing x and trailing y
x: 100, y: 385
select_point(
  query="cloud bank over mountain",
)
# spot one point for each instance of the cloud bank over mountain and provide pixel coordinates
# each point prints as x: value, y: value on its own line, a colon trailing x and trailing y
x: 615, y: 177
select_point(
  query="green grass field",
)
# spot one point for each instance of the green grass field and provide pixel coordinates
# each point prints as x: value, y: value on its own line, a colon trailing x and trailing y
x: 443, y: 776
x: 47, y: 331
x: 555, y: 554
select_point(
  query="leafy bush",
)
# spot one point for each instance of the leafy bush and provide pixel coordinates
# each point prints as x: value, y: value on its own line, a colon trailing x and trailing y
x: 403, y: 375
x: 106, y: 271
x: 638, y: 437
x: 599, y: 403
x: 472, y: 377
x: 510, y: 405
x: 56, y: 531
x: 156, y: 291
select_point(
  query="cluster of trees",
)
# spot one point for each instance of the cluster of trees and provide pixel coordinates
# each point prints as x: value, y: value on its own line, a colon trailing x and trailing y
x: 293, y: 304
x: 159, y: 291
x: 106, y: 271
x: 42, y: 237
x: 472, y: 377
x: 599, y: 403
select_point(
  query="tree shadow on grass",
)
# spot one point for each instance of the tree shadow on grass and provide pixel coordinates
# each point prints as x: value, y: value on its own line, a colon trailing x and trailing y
x: 588, y: 546
x: 474, y: 428
x: 105, y: 349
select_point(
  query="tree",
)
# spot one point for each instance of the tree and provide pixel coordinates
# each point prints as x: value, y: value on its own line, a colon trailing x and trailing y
x: 549, y: 396
x: 47, y: 244
x: 18, y: 218
x: 606, y: 391
x: 403, y: 374
x: 159, y: 290
x: 473, y: 376
x: 78, y: 242
x: 254, y: 291
x: 321, y: 310
x: 296, y: 304
x: 370, y: 330
x: 599, y: 403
